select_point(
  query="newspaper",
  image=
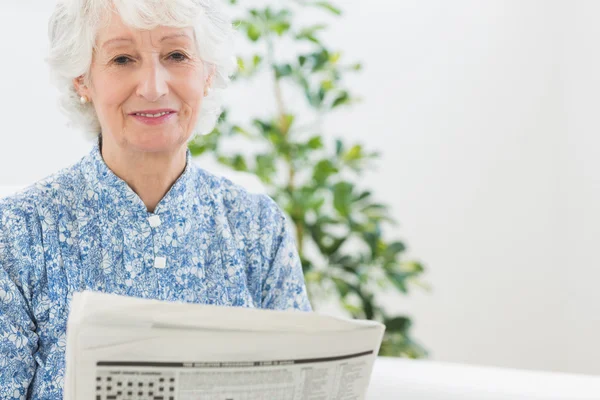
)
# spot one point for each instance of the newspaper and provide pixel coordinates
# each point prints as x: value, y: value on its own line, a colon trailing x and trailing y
x: 122, y: 348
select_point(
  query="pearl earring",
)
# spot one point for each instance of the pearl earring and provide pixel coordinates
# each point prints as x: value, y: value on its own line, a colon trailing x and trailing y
x: 207, y: 91
x: 83, y: 99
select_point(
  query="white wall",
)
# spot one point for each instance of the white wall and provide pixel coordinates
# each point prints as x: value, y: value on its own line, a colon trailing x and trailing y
x: 493, y: 181
x: 581, y: 57
x: 34, y: 141
x: 464, y: 97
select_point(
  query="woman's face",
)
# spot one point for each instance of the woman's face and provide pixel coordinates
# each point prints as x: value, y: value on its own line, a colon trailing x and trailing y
x: 134, y: 71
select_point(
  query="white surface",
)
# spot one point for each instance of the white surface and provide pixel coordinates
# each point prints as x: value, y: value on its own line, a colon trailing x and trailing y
x: 396, y: 379
x: 582, y: 181
x: 8, y: 190
x: 496, y: 187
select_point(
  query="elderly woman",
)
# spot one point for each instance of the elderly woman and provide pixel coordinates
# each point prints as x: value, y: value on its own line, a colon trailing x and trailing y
x: 134, y: 216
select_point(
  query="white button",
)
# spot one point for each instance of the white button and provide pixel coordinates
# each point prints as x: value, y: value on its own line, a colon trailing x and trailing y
x: 154, y: 221
x: 160, y: 262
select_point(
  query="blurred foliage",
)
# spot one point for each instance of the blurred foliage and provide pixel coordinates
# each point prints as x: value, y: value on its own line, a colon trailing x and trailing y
x: 339, y: 225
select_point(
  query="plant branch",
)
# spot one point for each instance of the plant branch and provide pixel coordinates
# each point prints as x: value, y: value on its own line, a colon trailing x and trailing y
x: 284, y: 127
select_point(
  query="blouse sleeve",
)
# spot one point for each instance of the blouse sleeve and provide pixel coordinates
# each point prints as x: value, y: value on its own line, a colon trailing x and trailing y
x: 283, y: 284
x: 19, y: 242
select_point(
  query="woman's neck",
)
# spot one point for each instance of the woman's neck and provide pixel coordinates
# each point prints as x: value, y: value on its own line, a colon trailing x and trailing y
x: 149, y: 175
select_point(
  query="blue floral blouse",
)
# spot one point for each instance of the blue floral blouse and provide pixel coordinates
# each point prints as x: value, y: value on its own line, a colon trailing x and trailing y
x: 208, y: 241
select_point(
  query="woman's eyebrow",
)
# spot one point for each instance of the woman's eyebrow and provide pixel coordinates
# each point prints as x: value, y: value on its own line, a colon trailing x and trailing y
x: 116, y: 40
x: 126, y: 39
x: 175, y: 36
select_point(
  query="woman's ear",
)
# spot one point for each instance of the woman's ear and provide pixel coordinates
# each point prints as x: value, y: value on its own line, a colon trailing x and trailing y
x: 209, y: 80
x: 80, y: 87
x: 211, y: 75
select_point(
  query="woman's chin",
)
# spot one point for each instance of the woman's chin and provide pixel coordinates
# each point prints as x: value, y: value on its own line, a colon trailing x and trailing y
x: 156, y: 143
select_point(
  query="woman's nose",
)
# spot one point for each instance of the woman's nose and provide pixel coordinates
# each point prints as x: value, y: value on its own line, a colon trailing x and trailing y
x: 153, y: 81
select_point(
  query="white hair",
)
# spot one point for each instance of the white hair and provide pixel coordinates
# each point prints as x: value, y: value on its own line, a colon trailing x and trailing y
x: 72, y: 33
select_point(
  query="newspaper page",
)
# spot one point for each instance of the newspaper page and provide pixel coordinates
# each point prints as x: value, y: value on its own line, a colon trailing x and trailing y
x: 121, y: 348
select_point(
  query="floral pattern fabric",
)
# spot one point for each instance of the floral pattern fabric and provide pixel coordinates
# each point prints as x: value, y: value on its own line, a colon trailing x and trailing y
x: 208, y: 241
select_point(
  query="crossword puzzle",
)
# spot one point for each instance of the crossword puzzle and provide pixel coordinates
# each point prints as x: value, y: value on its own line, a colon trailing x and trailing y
x: 135, y: 387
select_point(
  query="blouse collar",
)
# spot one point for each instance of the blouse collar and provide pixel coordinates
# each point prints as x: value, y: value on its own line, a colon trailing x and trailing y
x: 111, y: 190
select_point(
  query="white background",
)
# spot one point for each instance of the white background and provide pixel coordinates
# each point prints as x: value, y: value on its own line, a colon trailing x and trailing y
x: 485, y: 113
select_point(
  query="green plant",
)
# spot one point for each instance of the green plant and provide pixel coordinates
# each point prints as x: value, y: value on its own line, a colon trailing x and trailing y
x: 339, y: 226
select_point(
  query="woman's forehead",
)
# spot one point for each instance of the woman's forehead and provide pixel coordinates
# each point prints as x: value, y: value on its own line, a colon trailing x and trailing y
x: 116, y: 32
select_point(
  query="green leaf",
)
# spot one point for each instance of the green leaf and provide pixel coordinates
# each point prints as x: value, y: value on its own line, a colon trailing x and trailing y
x: 363, y: 196
x: 399, y: 280
x: 355, y: 153
x: 263, y: 126
x: 315, y: 203
x: 241, y: 65
x: 323, y: 170
x: 374, y: 209
x: 265, y: 167
x: 310, y: 38
x: 352, y: 309
x: 394, y: 248
x: 412, y: 268
x: 327, y: 220
x: 397, y: 324
x: 342, y: 197
x: 238, y: 129
x: 254, y: 33
x: 321, y: 95
x: 197, y: 149
x: 320, y: 59
x: 342, y: 286
x: 335, y: 57
x: 240, y: 23
x: 371, y: 234
x: 286, y: 122
x: 341, y: 99
x: 368, y: 306
x: 316, y: 233
x: 309, y: 33
x: 329, y: 7
x: 330, y: 246
x: 237, y: 162
x: 206, y: 143
x: 279, y: 27
x: 339, y: 146
x: 315, y: 142
x: 327, y: 85
x: 283, y: 70
x: 312, y: 29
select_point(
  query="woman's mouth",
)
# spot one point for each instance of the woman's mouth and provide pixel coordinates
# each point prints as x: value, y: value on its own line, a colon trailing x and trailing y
x: 153, y: 118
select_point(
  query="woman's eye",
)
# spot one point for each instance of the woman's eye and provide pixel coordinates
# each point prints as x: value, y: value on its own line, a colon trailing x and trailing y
x: 178, y: 56
x: 122, y: 60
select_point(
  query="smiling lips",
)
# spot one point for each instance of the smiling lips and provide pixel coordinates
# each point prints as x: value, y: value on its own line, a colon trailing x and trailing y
x: 153, y: 113
x: 153, y: 117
